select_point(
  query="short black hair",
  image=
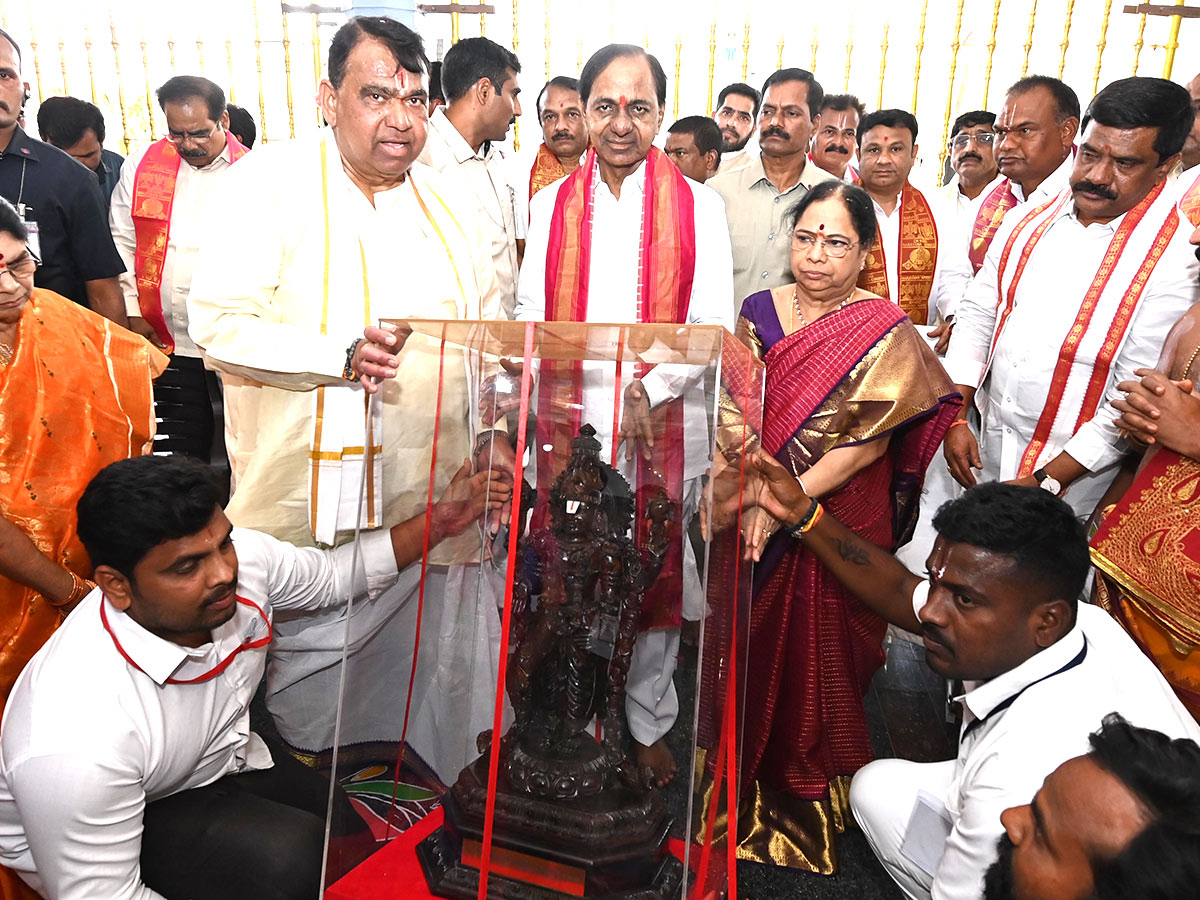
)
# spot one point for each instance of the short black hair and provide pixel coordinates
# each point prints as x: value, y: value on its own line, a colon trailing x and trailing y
x: 242, y: 125
x: 1145, y: 103
x: 188, y: 87
x: 857, y: 201
x: 1163, y: 860
x: 472, y: 59
x: 565, y: 82
x: 704, y: 132
x: 11, y: 223
x: 63, y: 121
x: 435, y: 81
x: 133, y: 505
x: 402, y: 42
x: 600, y: 60
x: 1037, y: 529
x: 816, y: 94
x: 742, y: 90
x: 1066, y: 102
x: 842, y: 103
x: 971, y: 119
x: 8, y: 37
x: 888, y: 118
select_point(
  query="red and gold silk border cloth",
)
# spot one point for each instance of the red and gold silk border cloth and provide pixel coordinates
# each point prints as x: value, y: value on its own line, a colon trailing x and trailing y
x: 1189, y: 203
x: 999, y: 200
x: 667, y: 265
x: 1149, y: 544
x: 546, y: 170
x: 76, y: 397
x: 1109, y: 304
x: 153, y: 198
x: 918, y: 257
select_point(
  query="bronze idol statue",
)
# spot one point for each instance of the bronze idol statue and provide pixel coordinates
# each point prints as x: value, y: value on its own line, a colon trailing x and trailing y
x: 572, y: 813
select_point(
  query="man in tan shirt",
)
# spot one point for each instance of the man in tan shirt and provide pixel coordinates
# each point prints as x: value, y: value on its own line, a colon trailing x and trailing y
x: 758, y: 195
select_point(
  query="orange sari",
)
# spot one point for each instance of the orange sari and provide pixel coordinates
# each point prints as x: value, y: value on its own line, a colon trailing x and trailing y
x: 75, y: 398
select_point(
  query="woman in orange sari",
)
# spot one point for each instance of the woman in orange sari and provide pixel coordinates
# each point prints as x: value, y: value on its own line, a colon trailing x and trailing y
x: 74, y: 397
x: 856, y: 404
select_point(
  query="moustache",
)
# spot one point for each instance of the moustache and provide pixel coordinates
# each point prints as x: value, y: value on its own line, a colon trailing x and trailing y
x: 192, y: 154
x: 934, y: 633
x: 998, y: 880
x: 837, y: 148
x: 974, y: 156
x: 561, y: 136
x: 1090, y: 187
x: 4, y: 106
x: 219, y: 593
x: 776, y: 131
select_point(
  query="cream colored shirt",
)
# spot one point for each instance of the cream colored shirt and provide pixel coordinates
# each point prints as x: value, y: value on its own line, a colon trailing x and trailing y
x: 755, y: 210
x: 484, y: 181
x: 193, y: 188
x: 256, y: 310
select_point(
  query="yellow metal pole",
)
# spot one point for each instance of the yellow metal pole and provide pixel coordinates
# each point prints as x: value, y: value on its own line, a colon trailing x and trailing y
x: 200, y: 54
x: 316, y: 54
x: 37, y: 65
x: 112, y: 27
x: 229, y: 66
x: 453, y: 28
x: 883, y: 49
x: 287, y: 76
x: 920, y: 50
x: 546, y: 40
x: 779, y: 53
x: 1062, y: 60
x: 991, y: 49
x: 87, y: 43
x: 678, y: 64
x: 746, y: 50
x: 149, y: 90
x: 849, y: 51
x: 1139, y: 43
x: 954, y: 46
x: 712, y: 62
x: 62, y: 63
x: 812, y: 64
x: 515, y: 44
x: 579, y: 55
x: 262, y: 96
x: 1172, y: 43
x: 171, y: 53
x: 1100, y: 46
x: 1029, y: 38
x: 483, y: 24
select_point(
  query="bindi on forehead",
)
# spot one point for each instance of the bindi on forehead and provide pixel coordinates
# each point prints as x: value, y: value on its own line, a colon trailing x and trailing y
x: 821, y: 227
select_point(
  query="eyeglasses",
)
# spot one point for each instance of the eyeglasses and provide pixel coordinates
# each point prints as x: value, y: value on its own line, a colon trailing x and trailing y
x: 986, y: 139
x: 195, y: 136
x: 25, y: 266
x: 835, y: 247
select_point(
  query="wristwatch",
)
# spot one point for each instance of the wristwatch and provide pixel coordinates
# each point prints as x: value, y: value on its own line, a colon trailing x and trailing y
x: 1047, y: 482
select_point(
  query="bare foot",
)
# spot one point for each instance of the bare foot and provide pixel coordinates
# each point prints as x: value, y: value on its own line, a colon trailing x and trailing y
x: 659, y: 760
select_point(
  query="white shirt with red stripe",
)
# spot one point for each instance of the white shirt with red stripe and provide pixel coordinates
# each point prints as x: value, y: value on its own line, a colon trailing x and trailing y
x: 108, y: 717
x: 1015, y: 385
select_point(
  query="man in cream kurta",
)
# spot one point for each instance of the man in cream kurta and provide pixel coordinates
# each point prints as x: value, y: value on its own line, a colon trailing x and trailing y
x: 276, y: 321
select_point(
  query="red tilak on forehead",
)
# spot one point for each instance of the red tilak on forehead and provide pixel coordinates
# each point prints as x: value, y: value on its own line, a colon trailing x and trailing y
x: 2, y: 265
x: 623, y: 101
x: 821, y: 227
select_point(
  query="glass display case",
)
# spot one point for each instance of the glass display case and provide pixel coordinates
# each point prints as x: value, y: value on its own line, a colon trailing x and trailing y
x: 545, y: 704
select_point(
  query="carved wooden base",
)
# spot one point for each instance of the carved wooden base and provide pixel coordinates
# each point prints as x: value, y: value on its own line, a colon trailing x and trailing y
x: 606, y: 847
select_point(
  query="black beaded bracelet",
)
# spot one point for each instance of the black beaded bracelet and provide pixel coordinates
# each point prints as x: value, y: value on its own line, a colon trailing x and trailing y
x: 797, y: 530
x: 348, y: 371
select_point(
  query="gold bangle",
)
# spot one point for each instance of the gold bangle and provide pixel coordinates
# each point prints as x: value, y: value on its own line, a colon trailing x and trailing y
x: 80, y: 588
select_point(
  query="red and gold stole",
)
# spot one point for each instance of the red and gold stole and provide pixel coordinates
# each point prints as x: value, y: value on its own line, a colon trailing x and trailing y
x: 918, y: 257
x: 546, y: 170
x: 666, y: 267
x: 1189, y: 203
x: 999, y: 200
x: 153, y: 197
x: 1147, y: 549
x: 1117, y: 326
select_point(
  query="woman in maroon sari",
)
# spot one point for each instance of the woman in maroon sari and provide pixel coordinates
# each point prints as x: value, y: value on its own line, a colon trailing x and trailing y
x: 856, y: 404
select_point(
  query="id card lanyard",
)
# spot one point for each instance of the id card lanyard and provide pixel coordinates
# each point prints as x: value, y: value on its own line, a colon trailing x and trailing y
x: 31, y: 225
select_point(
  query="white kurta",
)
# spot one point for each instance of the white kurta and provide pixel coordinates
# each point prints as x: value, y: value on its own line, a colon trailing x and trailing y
x: 956, y: 214
x: 256, y: 311
x: 1017, y: 382
x: 483, y: 179
x: 193, y: 189
x: 651, y: 703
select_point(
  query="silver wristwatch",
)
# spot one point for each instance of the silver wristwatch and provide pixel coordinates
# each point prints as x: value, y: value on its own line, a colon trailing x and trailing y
x: 1047, y: 482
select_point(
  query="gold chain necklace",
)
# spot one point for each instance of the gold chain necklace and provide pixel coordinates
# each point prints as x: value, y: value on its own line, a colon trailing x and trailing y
x: 6, y: 354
